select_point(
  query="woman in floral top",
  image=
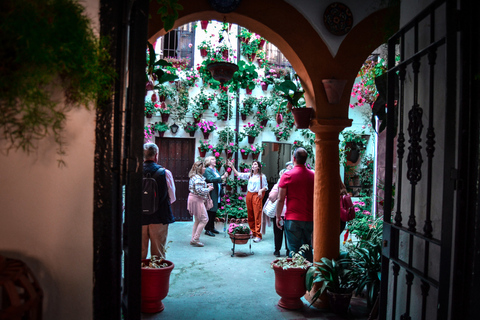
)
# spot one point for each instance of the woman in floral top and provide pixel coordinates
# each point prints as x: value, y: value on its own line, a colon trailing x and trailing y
x: 257, y: 185
x: 199, y: 193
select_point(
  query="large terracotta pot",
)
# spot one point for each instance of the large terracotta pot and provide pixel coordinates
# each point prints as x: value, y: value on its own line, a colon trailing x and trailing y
x: 239, y: 238
x: 302, y: 117
x: 155, y: 285
x: 290, y: 286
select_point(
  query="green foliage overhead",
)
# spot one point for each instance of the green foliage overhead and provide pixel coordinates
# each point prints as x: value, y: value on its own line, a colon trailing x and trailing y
x: 46, y: 45
x: 168, y: 12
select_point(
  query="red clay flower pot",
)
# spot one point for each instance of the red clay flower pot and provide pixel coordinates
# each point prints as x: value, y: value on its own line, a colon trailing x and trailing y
x: 165, y: 117
x: 251, y: 139
x: 249, y: 91
x: 206, y: 135
x: 202, y: 153
x: 302, y: 117
x: 204, y: 24
x: 155, y: 285
x: 290, y: 286
x: 203, y: 52
x: 265, y: 86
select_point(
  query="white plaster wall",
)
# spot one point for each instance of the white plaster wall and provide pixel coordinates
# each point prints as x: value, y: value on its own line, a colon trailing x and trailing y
x: 46, y: 214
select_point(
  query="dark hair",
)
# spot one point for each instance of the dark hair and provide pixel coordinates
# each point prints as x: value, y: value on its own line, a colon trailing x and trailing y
x: 300, y: 155
x: 259, y: 171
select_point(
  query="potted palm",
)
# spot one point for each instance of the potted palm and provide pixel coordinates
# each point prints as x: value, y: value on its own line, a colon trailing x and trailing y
x: 290, y: 279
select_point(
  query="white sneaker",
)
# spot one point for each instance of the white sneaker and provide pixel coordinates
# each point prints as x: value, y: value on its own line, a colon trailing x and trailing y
x: 257, y: 239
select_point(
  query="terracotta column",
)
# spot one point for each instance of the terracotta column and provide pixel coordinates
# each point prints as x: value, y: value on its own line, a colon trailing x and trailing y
x: 326, y: 211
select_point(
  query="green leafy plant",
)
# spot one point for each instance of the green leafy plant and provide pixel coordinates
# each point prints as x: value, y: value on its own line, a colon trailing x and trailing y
x: 245, y: 34
x: 281, y: 131
x: 204, y: 100
x: 205, y: 145
x: 151, y: 108
x: 190, y: 127
x: 292, y: 93
x: 251, y: 129
x: 334, y: 276
x: 351, y: 139
x: 226, y: 135
x: 245, y: 77
x: 161, y: 127
x: 168, y: 12
x: 248, y: 104
x: 48, y: 45
x: 224, y: 107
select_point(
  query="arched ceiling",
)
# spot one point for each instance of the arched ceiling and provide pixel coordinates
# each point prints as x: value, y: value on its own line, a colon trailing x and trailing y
x: 285, y: 27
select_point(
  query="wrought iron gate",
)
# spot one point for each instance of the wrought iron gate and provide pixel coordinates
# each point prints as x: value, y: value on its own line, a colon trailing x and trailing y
x: 418, y: 223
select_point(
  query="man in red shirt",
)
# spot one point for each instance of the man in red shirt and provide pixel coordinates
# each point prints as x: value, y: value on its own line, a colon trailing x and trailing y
x: 296, y: 186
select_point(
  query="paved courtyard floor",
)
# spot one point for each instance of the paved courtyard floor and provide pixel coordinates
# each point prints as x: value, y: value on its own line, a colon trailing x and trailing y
x: 207, y: 283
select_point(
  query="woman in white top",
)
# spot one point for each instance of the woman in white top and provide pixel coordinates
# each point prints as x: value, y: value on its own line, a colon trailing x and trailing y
x: 257, y: 185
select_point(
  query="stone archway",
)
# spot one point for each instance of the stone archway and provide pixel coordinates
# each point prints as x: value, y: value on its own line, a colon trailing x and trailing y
x: 284, y: 26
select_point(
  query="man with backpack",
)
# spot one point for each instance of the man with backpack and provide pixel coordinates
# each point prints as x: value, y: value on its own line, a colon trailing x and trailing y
x: 157, y: 198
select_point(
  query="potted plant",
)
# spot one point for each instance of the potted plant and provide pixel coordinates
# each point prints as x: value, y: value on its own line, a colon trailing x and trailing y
x: 248, y: 104
x: 204, y: 47
x: 266, y: 81
x: 290, y: 279
x: 244, y: 78
x: 239, y: 233
x: 352, y: 147
x: 252, y: 130
x: 197, y: 112
x: 243, y: 184
x: 244, y: 35
x: 155, y: 278
x: 206, y: 127
x: 178, y: 64
x: 203, y: 100
x: 165, y: 111
x: 337, y: 279
x: 161, y: 127
x: 230, y: 149
x: 151, y: 108
x: 250, y: 49
x: 190, y: 128
x: 292, y: 93
x: 245, y: 151
x: 262, y: 117
x: 204, y: 147
x: 282, y: 132
x: 165, y: 92
x: 256, y: 150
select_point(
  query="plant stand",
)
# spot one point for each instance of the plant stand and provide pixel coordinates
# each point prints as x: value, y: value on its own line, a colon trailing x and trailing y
x: 241, y: 239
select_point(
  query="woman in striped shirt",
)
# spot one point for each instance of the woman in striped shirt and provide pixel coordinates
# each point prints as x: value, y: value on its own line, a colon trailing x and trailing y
x: 199, y: 194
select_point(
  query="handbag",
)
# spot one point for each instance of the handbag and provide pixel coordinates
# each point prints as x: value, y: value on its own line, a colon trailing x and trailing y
x: 208, y: 202
x: 347, y: 211
x: 270, y: 208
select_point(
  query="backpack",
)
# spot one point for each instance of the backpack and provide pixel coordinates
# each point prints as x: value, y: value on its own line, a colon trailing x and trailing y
x: 347, y: 211
x: 150, y: 196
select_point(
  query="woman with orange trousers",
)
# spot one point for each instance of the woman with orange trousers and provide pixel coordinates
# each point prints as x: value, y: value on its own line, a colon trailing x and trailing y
x: 257, y: 185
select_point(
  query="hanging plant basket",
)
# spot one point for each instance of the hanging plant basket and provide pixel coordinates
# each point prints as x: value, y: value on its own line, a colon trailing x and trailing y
x: 302, y: 117
x: 222, y: 71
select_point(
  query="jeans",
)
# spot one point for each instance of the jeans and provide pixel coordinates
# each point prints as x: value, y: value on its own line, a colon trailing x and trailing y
x: 299, y: 233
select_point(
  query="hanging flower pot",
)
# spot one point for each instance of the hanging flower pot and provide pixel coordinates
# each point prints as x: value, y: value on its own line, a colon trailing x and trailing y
x: 264, y: 122
x: 228, y: 153
x: 202, y: 153
x: 260, y: 62
x: 255, y: 156
x: 161, y: 134
x: 203, y: 53
x: 249, y: 91
x: 197, y: 119
x: 244, y: 117
x: 244, y: 188
x: 162, y: 98
x: 225, y: 117
x: 264, y: 86
x: 279, y: 118
x: 206, y: 135
x: 204, y: 24
x: 251, y: 139
x: 334, y: 89
x: 252, y: 56
x: 244, y: 155
x: 165, y: 117
x: 302, y: 117
x: 155, y: 285
x: 192, y: 133
x: 261, y: 44
x: 149, y: 115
